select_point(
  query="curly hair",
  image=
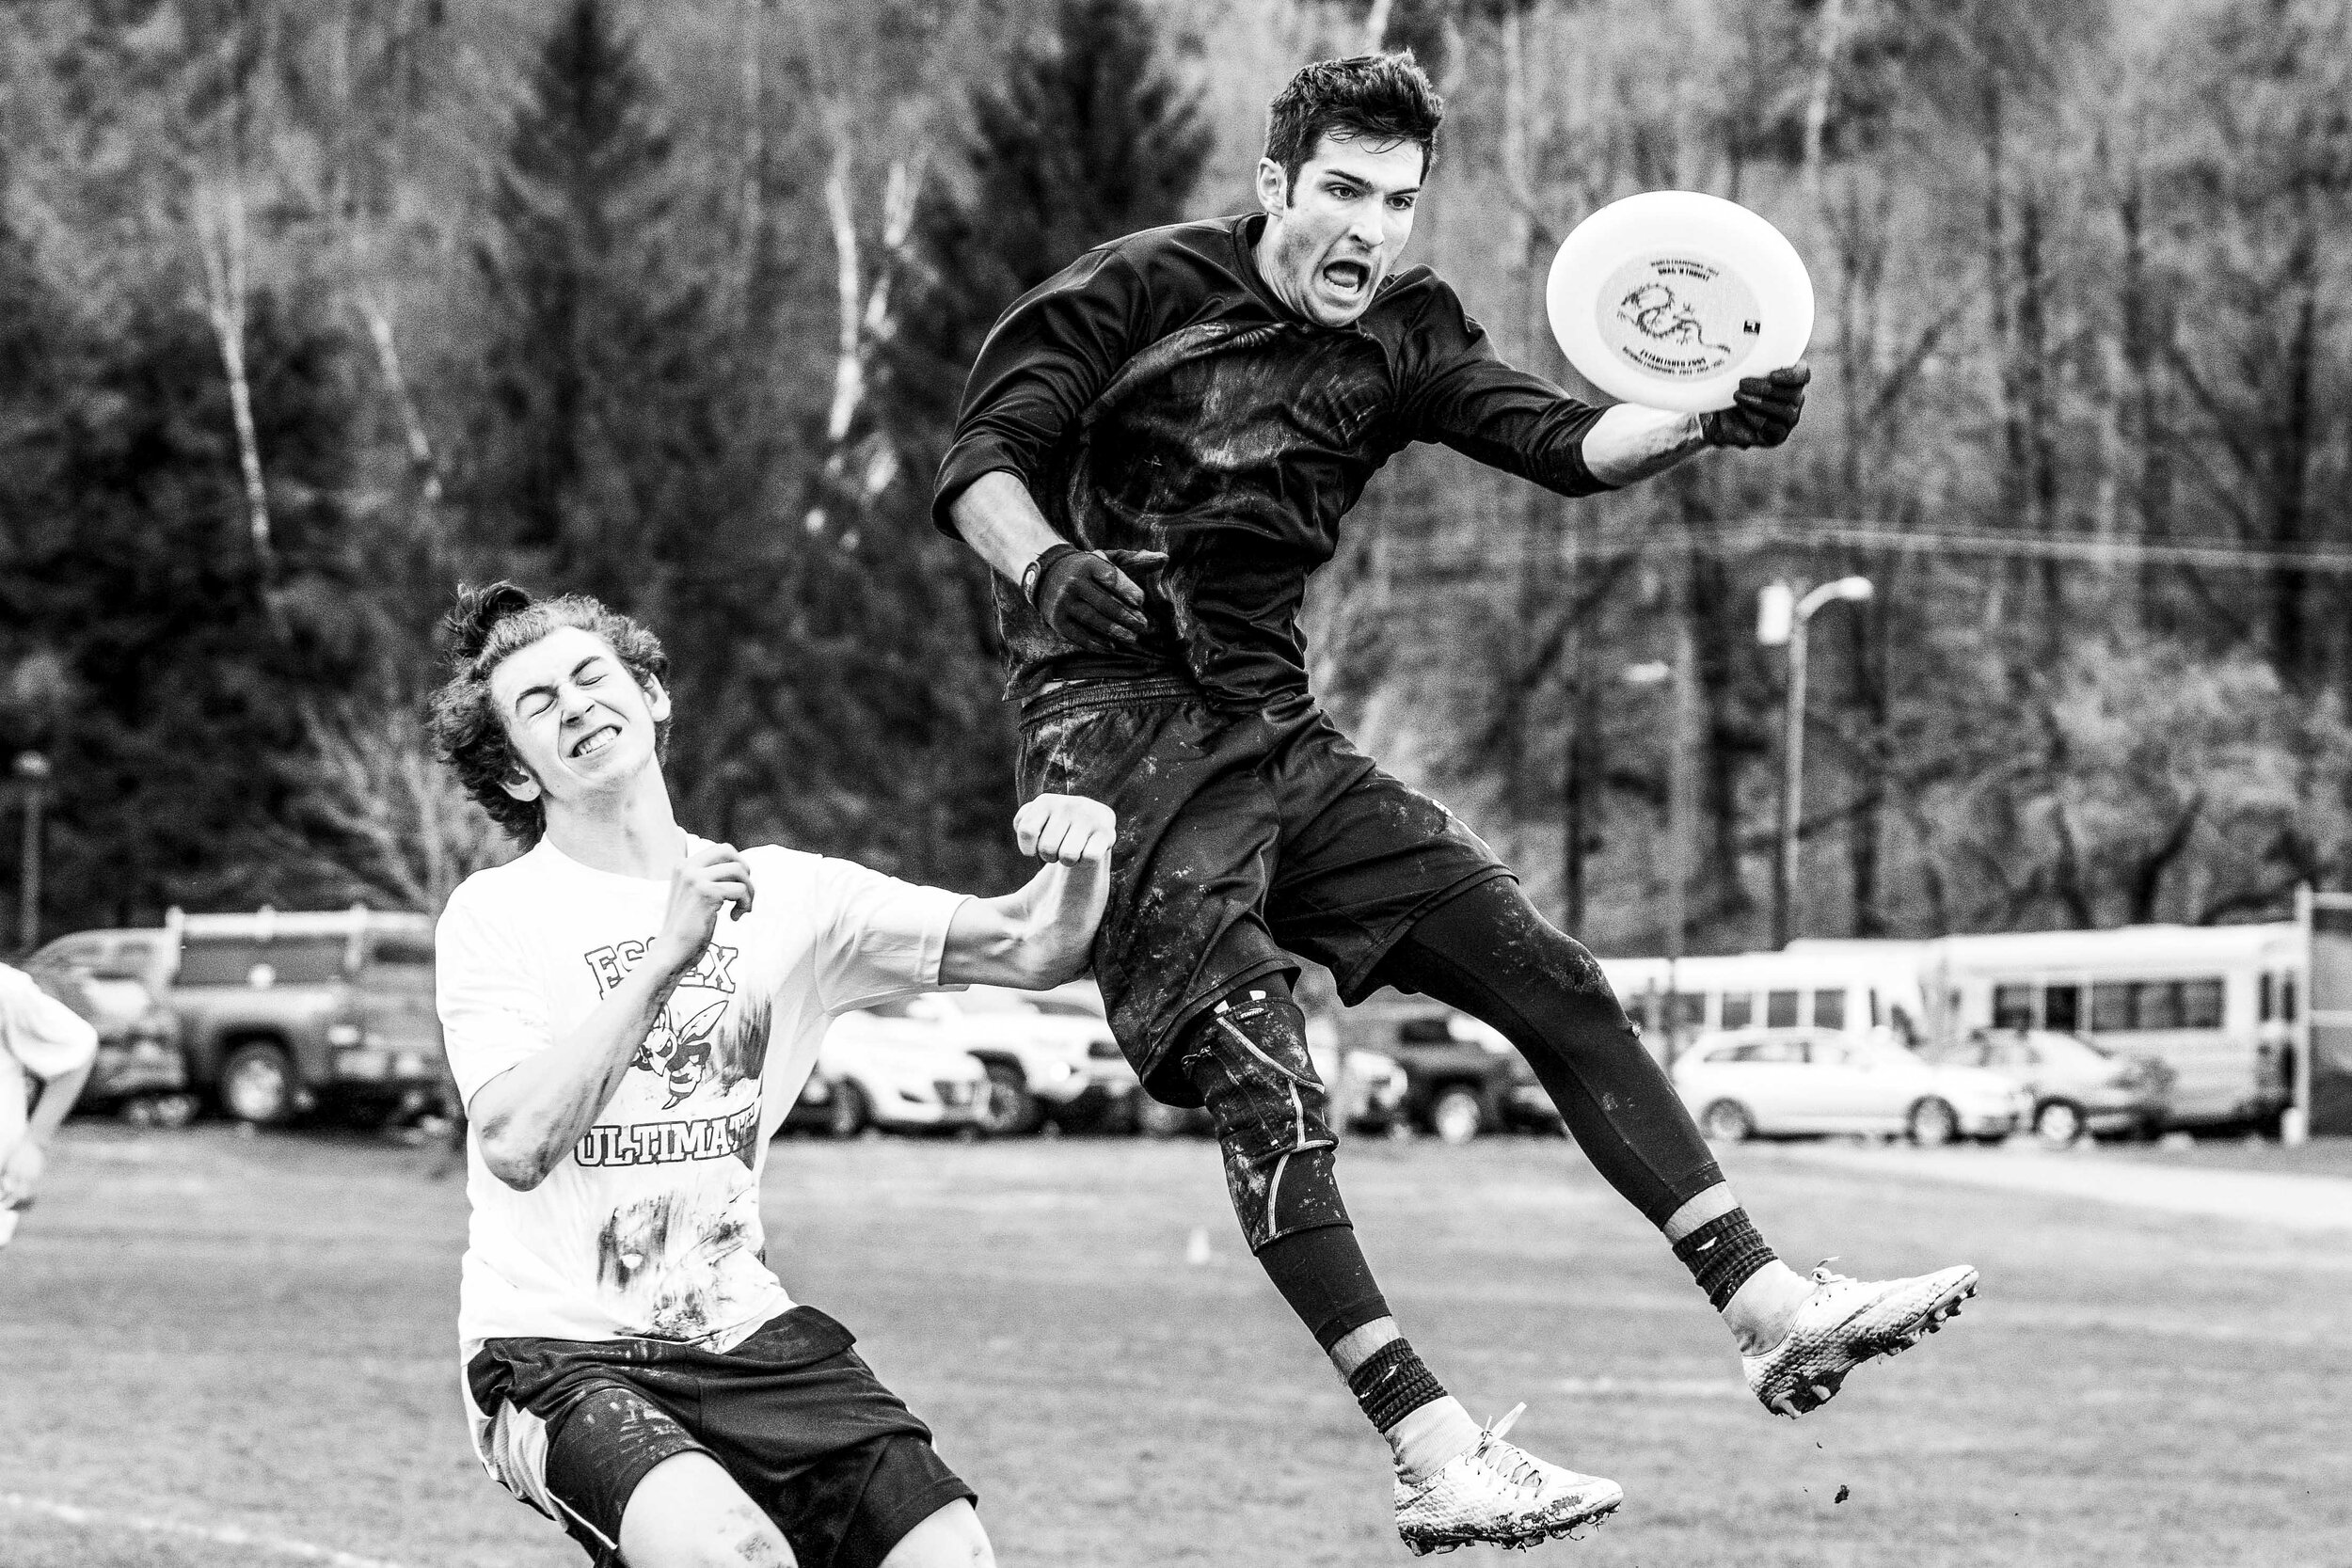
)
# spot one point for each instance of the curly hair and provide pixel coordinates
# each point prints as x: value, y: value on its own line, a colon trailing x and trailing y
x: 1379, y: 97
x: 486, y: 626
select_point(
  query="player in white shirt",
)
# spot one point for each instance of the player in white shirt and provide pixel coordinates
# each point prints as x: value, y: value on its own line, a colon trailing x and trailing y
x: 41, y: 1035
x: 635, y: 1368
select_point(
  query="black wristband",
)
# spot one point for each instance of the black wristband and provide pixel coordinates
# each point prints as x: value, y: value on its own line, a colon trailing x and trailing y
x: 1033, y: 574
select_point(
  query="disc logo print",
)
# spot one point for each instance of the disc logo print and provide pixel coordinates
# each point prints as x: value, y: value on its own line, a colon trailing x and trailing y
x: 1679, y: 316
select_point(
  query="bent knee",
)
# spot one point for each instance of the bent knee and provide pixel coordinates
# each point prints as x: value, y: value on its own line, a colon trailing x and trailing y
x: 950, y: 1537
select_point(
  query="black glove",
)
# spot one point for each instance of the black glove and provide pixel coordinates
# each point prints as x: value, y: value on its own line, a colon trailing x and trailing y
x: 1764, y: 411
x: 1090, y: 597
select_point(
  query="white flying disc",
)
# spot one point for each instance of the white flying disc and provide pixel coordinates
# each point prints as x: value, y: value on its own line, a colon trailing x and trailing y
x: 1669, y: 297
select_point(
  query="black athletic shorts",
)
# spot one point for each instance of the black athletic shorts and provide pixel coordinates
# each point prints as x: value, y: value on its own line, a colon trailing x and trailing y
x: 792, y: 1413
x: 1244, y: 837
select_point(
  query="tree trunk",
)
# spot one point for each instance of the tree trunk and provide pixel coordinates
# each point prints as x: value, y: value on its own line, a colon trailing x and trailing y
x: 2291, y: 449
x: 220, y: 237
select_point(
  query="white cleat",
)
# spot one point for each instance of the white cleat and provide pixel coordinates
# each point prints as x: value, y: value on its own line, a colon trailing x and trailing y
x: 1500, y: 1493
x: 1845, y: 1322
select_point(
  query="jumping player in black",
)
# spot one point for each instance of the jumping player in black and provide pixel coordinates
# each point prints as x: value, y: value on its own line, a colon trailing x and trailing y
x: 1155, y: 449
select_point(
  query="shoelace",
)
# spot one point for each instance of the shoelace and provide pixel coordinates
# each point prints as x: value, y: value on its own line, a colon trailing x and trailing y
x: 1524, y: 1474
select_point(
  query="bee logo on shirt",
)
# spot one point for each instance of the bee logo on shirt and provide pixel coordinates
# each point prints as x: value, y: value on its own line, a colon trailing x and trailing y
x: 680, y: 1053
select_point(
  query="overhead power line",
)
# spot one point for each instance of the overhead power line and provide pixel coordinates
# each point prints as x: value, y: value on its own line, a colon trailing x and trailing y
x: 2218, y: 554
x: 2226, y: 554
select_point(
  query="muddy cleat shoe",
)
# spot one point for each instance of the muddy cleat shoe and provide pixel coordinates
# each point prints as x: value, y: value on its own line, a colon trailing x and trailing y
x: 1845, y: 1322
x: 1500, y: 1493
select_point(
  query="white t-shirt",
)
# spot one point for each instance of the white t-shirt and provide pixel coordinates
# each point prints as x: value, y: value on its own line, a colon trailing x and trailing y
x: 650, y: 1226
x: 39, y: 1035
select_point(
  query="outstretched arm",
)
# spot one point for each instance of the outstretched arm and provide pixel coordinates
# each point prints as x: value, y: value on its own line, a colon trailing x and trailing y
x: 1462, y: 393
x: 529, y: 1116
x: 1040, y: 936
x: 1629, y: 443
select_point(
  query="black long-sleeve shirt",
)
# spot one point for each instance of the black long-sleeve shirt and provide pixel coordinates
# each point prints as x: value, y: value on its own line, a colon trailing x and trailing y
x: 1155, y: 395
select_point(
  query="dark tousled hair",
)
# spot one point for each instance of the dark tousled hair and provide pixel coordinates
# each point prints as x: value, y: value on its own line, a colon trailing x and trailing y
x: 1377, y: 98
x: 486, y: 626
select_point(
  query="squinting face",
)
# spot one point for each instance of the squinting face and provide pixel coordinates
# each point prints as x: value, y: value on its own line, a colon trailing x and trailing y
x: 576, y: 717
x: 1334, y: 234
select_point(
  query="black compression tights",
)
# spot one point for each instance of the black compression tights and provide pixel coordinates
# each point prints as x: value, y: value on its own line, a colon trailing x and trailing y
x: 1488, y: 953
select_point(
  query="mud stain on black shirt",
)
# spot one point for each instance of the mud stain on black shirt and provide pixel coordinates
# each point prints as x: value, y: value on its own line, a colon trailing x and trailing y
x: 1153, y: 395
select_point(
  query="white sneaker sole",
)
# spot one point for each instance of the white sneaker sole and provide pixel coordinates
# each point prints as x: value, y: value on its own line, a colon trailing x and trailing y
x: 1801, y: 1398
x: 1594, y: 1511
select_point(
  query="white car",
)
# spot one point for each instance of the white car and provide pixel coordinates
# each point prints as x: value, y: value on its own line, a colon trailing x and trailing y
x: 1048, y: 1056
x: 1376, y: 1085
x: 870, y: 1074
x: 1768, y: 1081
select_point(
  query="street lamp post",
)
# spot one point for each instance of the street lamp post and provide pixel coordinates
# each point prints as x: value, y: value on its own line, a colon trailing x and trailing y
x: 32, y: 775
x: 1682, y: 673
x: 1782, y: 616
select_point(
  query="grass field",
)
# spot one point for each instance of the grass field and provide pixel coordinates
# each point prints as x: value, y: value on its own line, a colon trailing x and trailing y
x: 203, y: 1335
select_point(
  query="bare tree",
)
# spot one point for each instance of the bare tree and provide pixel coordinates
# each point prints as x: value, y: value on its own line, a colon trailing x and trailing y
x: 218, y: 212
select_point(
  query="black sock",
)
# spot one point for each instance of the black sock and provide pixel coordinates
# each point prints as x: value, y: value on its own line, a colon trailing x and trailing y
x: 1323, y: 1274
x: 1393, y: 1384
x: 1724, y: 1254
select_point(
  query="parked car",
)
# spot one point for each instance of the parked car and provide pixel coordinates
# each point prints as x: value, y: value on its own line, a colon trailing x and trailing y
x: 1754, y: 1082
x: 1464, y: 1077
x: 139, y: 1072
x: 282, y: 1012
x: 2078, y: 1087
x: 873, y: 1072
x: 1049, y: 1055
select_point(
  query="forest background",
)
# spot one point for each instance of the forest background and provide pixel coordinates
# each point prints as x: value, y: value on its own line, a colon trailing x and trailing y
x: 310, y: 309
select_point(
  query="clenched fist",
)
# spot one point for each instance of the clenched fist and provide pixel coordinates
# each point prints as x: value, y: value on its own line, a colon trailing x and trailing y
x: 712, y: 879
x: 1067, y: 830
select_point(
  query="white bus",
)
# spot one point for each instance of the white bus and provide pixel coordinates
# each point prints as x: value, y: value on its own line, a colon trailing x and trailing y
x: 2215, y: 1003
x: 1857, y: 987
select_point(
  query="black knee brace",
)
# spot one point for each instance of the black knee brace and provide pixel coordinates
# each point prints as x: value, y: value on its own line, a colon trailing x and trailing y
x: 1248, y: 1057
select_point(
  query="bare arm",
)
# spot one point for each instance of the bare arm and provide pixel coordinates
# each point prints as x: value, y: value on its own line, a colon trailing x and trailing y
x: 1632, y: 443
x: 529, y: 1116
x: 58, y: 1096
x: 21, y: 1169
x: 998, y: 518
x: 1085, y: 595
x: 1041, y: 935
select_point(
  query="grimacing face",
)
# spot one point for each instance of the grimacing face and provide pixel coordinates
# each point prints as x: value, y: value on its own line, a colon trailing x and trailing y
x: 1334, y: 234
x: 576, y: 717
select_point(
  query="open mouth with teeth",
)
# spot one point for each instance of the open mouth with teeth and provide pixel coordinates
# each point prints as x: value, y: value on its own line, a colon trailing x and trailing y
x: 596, y: 741
x: 1349, y: 278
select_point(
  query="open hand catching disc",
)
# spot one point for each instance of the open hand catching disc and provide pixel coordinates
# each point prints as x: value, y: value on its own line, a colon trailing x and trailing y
x: 1669, y: 297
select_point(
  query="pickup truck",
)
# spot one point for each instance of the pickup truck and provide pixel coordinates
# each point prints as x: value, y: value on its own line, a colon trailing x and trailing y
x: 286, y: 1012
x: 1462, y: 1077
